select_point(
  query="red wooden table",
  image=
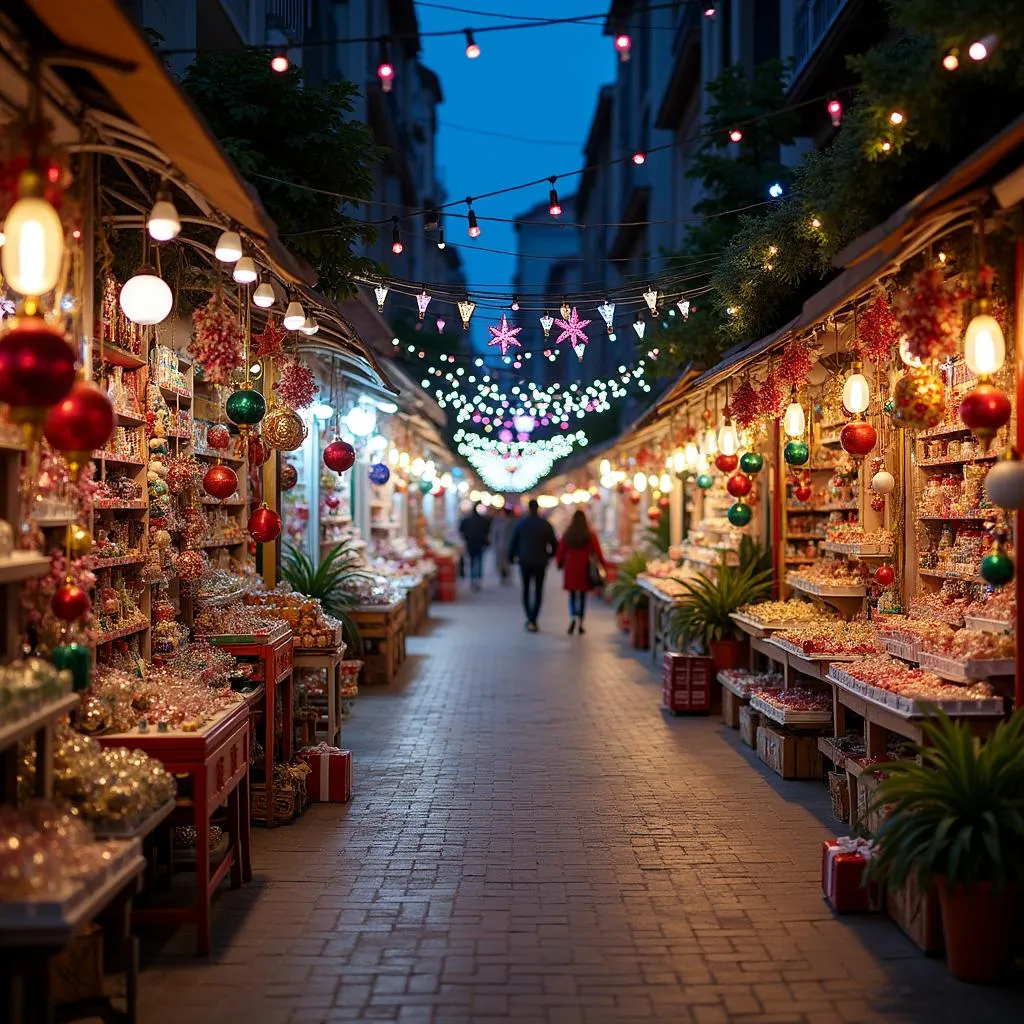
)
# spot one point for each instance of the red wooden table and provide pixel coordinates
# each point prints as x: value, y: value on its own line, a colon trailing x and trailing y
x: 217, y: 760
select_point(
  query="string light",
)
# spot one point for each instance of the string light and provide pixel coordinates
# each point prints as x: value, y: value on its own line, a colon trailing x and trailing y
x: 244, y: 271
x: 385, y: 69
x: 263, y: 296
x: 835, y: 112
x: 735, y: 135
x: 794, y: 420
x: 623, y: 44
x: 432, y: 221
x: 815, y: 223
x: 651, y: 298
x: 472, y: 48
x: 294, y: 316
x: 856, y: 391
x: 380, y: 293
x: 775, y: 190
x: 396, y: 238
x: 466, y: 307
x: 607, y: 311
x: 422, y: 301
x: 951, y: 61
x: 279, y: 62
x: 515, y: 304
x: 897, y: 117
x: 440, y: 325
x: 639, y: 158
x: 709, y: 10
x: 440, y: 238
x: 229, y: 247
x: 554, y: 206
x: 474, y: 227
x: 980, y: 49
x: 163, y: 222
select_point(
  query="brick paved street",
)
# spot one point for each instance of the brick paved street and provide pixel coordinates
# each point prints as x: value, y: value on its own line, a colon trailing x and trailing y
x: 532, y: 841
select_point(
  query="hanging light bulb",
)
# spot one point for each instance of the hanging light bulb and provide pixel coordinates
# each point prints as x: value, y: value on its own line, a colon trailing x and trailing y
x: 793, y: 420
x: 33, y: 252
x: 244, y: 271
x: 896, y: 117
x: 554, y: 206
x: 651, y: 298
x: 279, y: 62
x: 981, y: 48
x: 728, y: 436
x: 440, y: 325
x: 639, y: 158
x: 380, y: 291
x: 640, y: 327
x: 691, y: 455
x: 546, y: 323
x: 951, y: 61
x: 396, y: 238
x: 294, y: 316
x: 422, y: 301
x: 515, y: 304
x: 709, y: 10
x: 385, y: 69
x: 639, y: 482
x: 263, y: 296
x: 623, y: 44
x: 565, y: 309
x: 229, y: 247
x: 678, y: 461
x: 835, y: 112
x: 735, y: 135
x: 163, y: 222
x: 472, y: 48
x: 440, y: 238
x: 984, y: 346
x: 683, y: 305
x: 310, y: 326
x: 474, y: 227
x: 710, y: 441
x: 146, y: 298
x: 466, y: 307
x: 856, y: 391
x: 665, y: 483
x: 607, y: 311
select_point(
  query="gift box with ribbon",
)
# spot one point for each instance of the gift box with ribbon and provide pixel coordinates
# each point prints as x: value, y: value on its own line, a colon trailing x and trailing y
x: 330, y: 773
x: 843, y: 864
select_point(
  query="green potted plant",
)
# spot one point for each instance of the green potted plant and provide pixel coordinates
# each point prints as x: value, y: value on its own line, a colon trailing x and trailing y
x: 956, y: 820
x: 630, y: 600
x: 702, y: 614
x: 326, y: 582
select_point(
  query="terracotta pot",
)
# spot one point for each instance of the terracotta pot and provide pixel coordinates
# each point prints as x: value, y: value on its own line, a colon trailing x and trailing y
x: 640, y: 630
x: 623, y: 620
x: 726, y: 654
x: 978, y: 925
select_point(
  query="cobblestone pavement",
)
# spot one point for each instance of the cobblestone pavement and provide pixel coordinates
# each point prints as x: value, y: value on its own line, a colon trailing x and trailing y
x: 532, y: 841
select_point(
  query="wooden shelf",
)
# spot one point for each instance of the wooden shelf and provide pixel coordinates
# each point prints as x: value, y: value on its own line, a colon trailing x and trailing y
x: 129, y: 419
x: 123, y: 506
x: 120, y: 634
x: 174, y: 394
x: 118, y: 562
x: 936, y: 463
x: 23, y: 565
x: 22, y: 728
x: 950, y: 574
x: 112, y: 355
x: 947, y: 431
x: 118, y: 460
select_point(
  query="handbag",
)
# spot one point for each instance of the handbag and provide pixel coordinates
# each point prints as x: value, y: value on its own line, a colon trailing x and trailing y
x: 597, y: 575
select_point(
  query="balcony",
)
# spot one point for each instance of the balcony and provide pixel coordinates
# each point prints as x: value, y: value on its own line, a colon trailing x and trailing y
x: 289, y: 17
x: 814, y: 20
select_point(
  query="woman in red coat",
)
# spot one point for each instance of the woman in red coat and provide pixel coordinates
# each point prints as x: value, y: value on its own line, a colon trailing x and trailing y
x: 576, y: 548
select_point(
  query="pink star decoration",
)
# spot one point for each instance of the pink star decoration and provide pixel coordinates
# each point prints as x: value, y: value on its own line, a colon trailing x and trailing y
x: 504, y: 335
x: 572, y: 330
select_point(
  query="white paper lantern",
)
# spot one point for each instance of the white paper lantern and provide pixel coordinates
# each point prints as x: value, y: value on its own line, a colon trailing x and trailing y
x: 229, y: 247
x: 883, y: 482
x: 146, y: 298
x: 245, y: 271
x: 34, y: 247
x: 263, y: 296
x: 1004, y: 484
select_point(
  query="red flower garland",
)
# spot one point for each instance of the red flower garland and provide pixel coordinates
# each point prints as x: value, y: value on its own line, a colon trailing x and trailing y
x: 930, y: 315
x: 744, y: 404
x: 217, y: 342
x: 770, y: 397
x: 297, y: 387
x: 879, y: 331
x: 795, y: 364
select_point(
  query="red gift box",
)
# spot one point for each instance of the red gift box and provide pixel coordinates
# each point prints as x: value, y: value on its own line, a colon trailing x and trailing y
x: 330, y: 774
x: 843, y: 863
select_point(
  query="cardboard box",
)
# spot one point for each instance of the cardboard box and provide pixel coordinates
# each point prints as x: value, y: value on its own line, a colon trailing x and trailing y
x: 750, y: 720
x: 917, y: 913
x: 843, y: 864
x: 793, y: 756
x: 330, y: 774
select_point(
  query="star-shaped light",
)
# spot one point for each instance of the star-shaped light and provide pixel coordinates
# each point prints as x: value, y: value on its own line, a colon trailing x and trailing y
x: 504, y: 335
x: 572, y: 330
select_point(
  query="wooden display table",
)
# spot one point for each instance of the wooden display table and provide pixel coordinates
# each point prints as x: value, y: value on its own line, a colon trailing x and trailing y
x: 382, y: 630
x: 418, y: 599
x: 275, y: 653
x: 659, y: 605
x: 217, y: 760
x: 328, y: 660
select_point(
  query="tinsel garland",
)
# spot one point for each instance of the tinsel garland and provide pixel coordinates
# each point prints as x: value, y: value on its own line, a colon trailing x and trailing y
x: 744, y: 404
x: 879, y: 331
x: 930, y: 315
x: 795, y: 364
x: 770, y: 396
x: 297, y: 387
x: 216, y: 343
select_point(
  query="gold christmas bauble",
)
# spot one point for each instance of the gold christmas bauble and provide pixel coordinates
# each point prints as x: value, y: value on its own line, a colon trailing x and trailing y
x: 283, y: 430
x: 79, y: 540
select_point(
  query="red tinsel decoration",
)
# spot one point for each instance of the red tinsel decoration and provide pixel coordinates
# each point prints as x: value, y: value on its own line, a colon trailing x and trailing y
x: 795, y: 364
x: 744, y: 404
x: 929, y: 314
x: 879, y: 331
x: 297, y: 387
x: 268, y: 343
x: 770, y: 397
x: 217, y: 341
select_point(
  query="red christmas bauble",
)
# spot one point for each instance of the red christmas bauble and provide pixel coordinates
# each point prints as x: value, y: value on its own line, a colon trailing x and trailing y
x: 339, y: 456
x: 37, y: 366
x: 726, y: 463
x: 220, y: 482
x: 803, y: 493
x: 663, y: 503
x: 218, y: 437
x: 635, y: 498
x: 654, y: 513
x: 258, y: 452
x: 70, y: 602
x: 264, y: 525
x: 985, y: 409
x: 81, y: 421
x: 738, y: 485
x: 289, y: 476
x: 858, y: 438
x: 884, y: 576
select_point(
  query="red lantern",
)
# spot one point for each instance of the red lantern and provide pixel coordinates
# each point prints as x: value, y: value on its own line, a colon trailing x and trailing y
x: 218, y: 437
x: 220, y: 482
x: 70, y: 602
x: 738, y: 485
x: 803, y: 492
x: 884, y: 576
x: 37, y: 368
x: 985, y: 409
x: 726, y: 463
x: 82, y: 421
x: 264, y: 525
x: 858, y: 438
x: 339, y: 456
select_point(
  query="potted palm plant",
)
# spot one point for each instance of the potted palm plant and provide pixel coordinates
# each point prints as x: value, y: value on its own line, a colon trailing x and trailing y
x: 327, y: 582
x: 956, y: 820
x: 630, y: 600
x: 703, y: 614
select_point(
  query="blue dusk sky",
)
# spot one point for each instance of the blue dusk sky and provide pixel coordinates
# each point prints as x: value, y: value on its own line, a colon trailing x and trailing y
x: 537, y: 84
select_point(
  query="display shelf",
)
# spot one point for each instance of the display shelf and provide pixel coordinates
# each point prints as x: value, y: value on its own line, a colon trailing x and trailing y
x: 110, y: 459
x: 805, y: 536
x: 965, y: 671
x: 136, y: 829
x: 10, y: 442
x: 23, y: 565
x: 946, y: 430
x: 784, y: 716
x: 115, y: 563
x: 279, y: 632
x: 791, y: 648
x: 944, y: 462
x: 22, y: 728
x: 53, y: 522
x: 212, y: 453
x: 823, y: 589
x: 987, y: 625
x: 978, y: 516
x: 757, y: 628
x: 951, y: 574
x: 121, y: 506
x: 222, y: 543
x: 863, y: 549
x: 218, y: 600
x: 113, y: 355
x: 901, y: 649
x: 830, y: 750
x: 171, y: 393
x: 228, y: 503
x: 120, y: 634
x: 800, y: 560
x: 127, y: 418
x: 908, y: 707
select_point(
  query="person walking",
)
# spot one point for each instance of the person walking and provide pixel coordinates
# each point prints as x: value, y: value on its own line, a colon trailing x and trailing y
x: 475, y: 530
x: 578, y: 549
x: 533, y: 543
x: 501, y: 537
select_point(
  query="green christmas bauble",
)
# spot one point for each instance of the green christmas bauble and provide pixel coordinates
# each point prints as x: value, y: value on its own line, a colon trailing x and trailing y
x: 740, y: 514
x: 751, y: 463
x: 997, y: 568
x: 705, y: 480
x: 889, y: 407
x: 245, y: 407
x: 796, y: 453
x: 426, y: 486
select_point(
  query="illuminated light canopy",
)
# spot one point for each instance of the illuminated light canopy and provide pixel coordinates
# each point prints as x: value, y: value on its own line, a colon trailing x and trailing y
x: 515, y: 466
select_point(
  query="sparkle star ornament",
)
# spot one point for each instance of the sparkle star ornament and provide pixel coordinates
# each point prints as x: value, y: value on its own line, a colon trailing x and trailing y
x: 573, y: 331
x: 267, y: 345
x: 504, y: 335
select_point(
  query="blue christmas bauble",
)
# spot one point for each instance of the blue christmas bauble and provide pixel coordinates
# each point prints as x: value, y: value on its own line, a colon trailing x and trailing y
x: 379, y: 474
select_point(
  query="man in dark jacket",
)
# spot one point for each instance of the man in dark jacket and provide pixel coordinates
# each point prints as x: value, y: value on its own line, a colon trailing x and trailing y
x: 533, y: 544
x: 475, y: 530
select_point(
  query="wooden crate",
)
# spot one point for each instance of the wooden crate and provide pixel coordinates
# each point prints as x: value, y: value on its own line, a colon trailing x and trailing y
x: 750, y: 721
x: 917, y: 913
x: 791, y: 755
x: 731, y: 707
x: 382, y: 629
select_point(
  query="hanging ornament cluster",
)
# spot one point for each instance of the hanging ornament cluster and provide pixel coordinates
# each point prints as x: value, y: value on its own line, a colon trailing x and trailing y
x: 885, y: 576
x: 740, y: 514
x: 289, y: 476
x: 795, y: 364
x: 929, y: 314
x: 380, y: 474
x: 216, y: 343
x: 879, y: 331
x: 740, y: 484
x: 918, y: 400
x: 858, y: 439
x: 985, y: 409
x: 37, y: 368
x: 796, y: 453
x: 296, y: 388
x: 744, y: 403
x: 997, y: 568
x: 218, y: 437
x: 770, y: 396
x: 1004, y: 482
x: 220, y: 481
x: 726, y: 463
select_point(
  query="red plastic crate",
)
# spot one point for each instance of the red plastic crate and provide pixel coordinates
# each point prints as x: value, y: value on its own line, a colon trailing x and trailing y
x: 686, y: 683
